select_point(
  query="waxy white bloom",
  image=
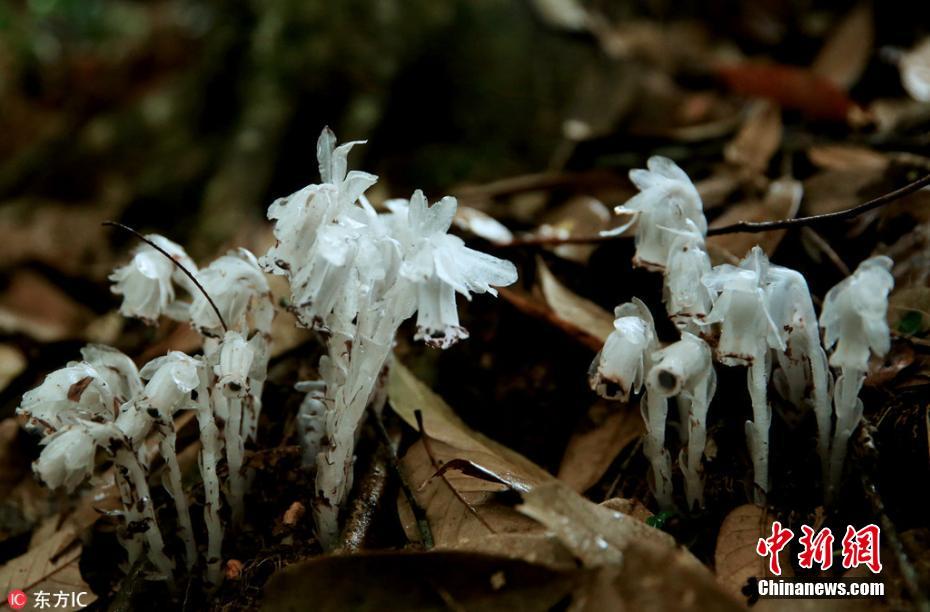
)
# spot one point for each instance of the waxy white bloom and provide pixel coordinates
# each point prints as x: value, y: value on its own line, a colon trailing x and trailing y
x: 854, y: 316
x: 235, y: 366
x: 440, y: 265
x: 67, y: 457
x: 667, y: 200
x: 684, y: 369
x: 687, y: 299
x: 620, y: 368
x: 76, y: 392
x: 234, y: 282
x: 742, y: 309
x: 854, y: 321
x: 116, y: 368
x: 146, y: 282
x: 171, y: 380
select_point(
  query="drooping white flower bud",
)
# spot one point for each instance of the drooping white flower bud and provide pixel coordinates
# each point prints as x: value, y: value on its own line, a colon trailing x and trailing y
x: 67, y: 457
x: 667, y: 200
x: 854, y: 316
x: 236, y: 357
x: 146, y: 282
x: 116, y: 368
x: 233, y: 281
x: 620, y: 368
x: 75, y: 392
x: 687, y: 299
x: 171, y: 380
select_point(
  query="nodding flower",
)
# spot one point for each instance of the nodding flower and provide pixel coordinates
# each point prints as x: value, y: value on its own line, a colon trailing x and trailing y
x: 687, y: 298
x: 667, y: 200
x: 620, y: 368
x: 854, y: 318
x: 147, y: 281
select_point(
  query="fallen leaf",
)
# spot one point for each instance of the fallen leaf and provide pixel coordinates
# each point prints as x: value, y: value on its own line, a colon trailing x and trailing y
x: 847, y: 157
x: 580, y: 216
x: 532, y: 306
x: 12, y: 364
x: 34, y: 306
x: 791, y: 87
x: 736, y: 559
x: 51, y: 566
x: 481, y: 224
x: 572, y: 308
x: 596, y: 535
x: 909, y: 310
x: 757, y: 140
x: 436, y: 580
x: 846, y: 52
x: 589, y: 453
x: 833, y: 190
x: 452, y: 441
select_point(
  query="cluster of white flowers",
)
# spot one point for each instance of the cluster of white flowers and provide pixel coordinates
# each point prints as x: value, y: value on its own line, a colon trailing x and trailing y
x: 755, y: 314
x: 356, y: 275
x: 105, y: 402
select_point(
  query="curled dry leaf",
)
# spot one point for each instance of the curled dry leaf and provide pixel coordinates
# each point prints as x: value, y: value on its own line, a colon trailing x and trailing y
x: 478, y: 469
x: 574, y: 309
x: 36, y: 307
x: 591, y: 450
x: 736, y: 558
x: 847, y: 157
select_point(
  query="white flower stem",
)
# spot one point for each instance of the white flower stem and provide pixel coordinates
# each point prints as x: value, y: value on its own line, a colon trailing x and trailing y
x: 175, y: 487
x: 135, y: 476
x: 235, y: 447
x: 345, y: 406
x: 848, y: 408
x: 757, y: 430
x: 655, y: 415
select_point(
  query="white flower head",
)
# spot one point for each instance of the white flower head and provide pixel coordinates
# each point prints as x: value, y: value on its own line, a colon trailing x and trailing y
x: 440, y: 265
x: 679, y: 368
x: 171, y: 379
x: 741, y: 307
x: 76, y: 392
x: 234, y: 282
x: 67, y: 458
x: 116, y: 368
x: 854, y: 316
x: 146, y: 282
x: 299, y: 217
x: 620, y: 368
x: 667, y: 200
x: 235, y: 365
x: 687, y: 299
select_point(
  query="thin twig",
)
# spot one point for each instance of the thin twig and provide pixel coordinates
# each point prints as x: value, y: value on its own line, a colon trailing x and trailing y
x: 429, y: 453
x: 748, y: 227
x: 840, y: 215
x: 187, y: 272
x: 426, y: 535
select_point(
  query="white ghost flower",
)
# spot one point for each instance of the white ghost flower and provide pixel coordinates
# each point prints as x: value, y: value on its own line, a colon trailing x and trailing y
x: 75, y: 392
x: 854, y: 321
x: 687, y: 299
x: 440, y: 265
x: 234, y: 282
x: 116, y: 368
x: 146, y: 282
x: 684, y: 369
x: 620, y: 368
x: 854, y: 316
x: 667, y: 200
x: 67, y: 457
x: 171, y: 380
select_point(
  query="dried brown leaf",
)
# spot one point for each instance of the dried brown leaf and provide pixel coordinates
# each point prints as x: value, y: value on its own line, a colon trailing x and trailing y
x: 34, y: 306
x: 736, y: 558
x: 572, y: 308
x: 846, y: 52
x: 758, y: 139
x: 591, y: 451
x: 482, y: 224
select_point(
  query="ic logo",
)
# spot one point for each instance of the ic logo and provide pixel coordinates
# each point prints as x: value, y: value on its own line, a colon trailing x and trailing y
x: 17, y: 599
